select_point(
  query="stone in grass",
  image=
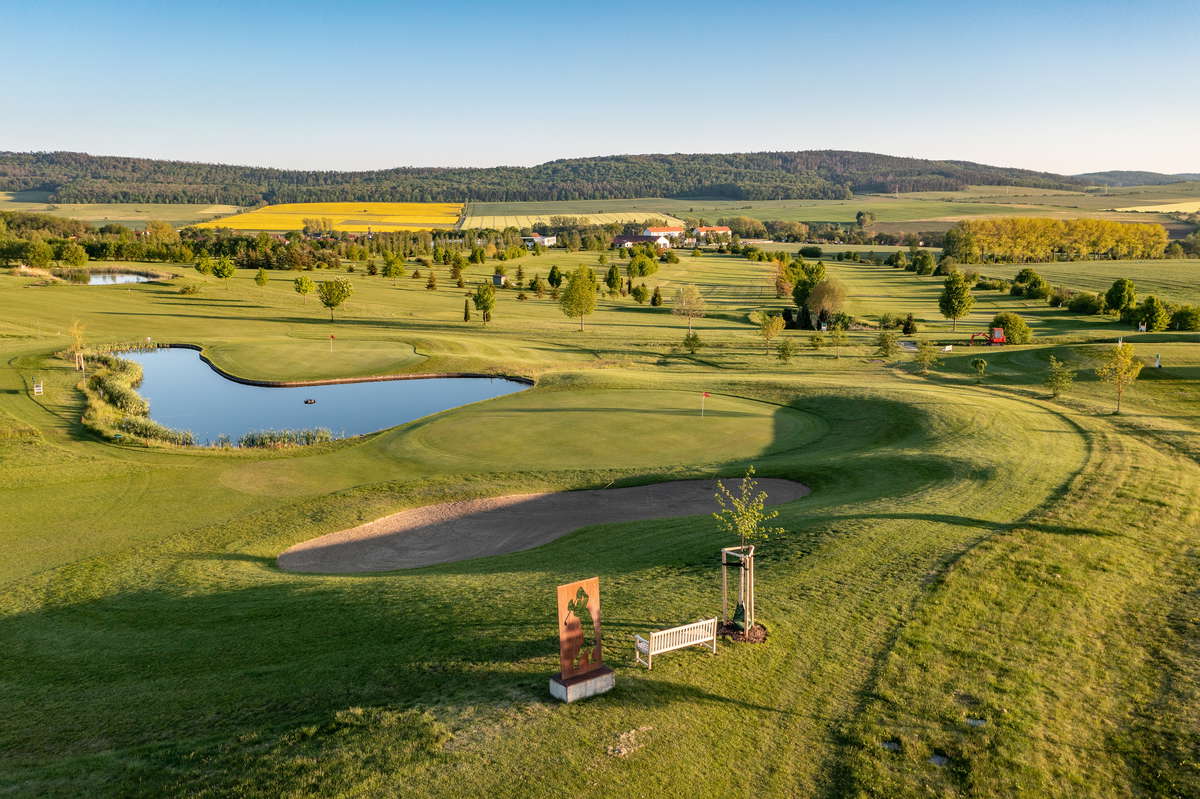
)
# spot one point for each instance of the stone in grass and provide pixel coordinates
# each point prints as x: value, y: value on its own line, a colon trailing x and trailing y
x: 939, y: 758
x: 976, y: 722
x: 891, y: 744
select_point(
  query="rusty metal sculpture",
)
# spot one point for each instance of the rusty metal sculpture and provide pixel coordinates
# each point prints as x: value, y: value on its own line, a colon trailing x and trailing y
x: 579, y: 627
x: 583, y: 672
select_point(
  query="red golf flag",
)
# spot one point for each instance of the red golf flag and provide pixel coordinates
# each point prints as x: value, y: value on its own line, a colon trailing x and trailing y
x: 707, y: 394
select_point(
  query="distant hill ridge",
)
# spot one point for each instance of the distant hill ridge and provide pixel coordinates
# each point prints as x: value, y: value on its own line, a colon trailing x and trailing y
x: 1121, y: 177
x: 810, y: 174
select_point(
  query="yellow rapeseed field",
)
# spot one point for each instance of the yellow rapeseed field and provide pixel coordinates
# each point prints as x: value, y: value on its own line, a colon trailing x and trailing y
x: 1186, y: 207
x: 529, y: 220
x: 347, y: 217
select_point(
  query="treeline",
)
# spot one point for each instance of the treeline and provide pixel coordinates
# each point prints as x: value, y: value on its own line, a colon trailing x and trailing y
x: 812, y: 174
x: 41, y: 240
x: 1021, y: 239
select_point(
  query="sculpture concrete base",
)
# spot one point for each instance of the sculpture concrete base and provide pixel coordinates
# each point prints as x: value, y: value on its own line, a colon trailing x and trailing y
x: 582, y: 686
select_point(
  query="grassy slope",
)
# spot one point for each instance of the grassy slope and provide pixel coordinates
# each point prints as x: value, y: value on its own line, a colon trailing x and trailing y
x: 134, y: 215
x: 968, y: 550
x: 1176, y: 280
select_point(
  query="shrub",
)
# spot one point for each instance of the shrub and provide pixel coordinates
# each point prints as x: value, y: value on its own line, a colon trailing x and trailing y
x: 147, y: 428
x: 189, y: 289
x: 1186, y: 318
x: 1059, y: 297
x: 1016, y: 331
x: 910, y: 326
x: 1154, y: 314
x: 1086, y: 302
x: 691, y: 342
x: 276, y: 439
x: 991, y: 284
x: 811, y: 252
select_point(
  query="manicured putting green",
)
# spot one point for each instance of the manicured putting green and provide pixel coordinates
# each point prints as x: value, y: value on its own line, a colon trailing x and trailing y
x: 283, y: 359
x: 606, y: 428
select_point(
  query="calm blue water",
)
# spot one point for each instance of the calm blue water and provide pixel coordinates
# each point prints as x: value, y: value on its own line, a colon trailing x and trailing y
x: 110, y: 278
x: 186, y: 394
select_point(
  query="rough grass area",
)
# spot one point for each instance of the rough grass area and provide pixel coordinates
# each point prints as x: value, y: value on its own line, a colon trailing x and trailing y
x: 988, y: 593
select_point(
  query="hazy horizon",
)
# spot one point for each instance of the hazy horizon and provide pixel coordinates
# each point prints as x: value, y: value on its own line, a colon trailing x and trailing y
x: 1064, y: 87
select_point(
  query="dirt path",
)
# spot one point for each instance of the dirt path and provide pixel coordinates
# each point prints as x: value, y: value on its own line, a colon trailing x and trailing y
x: 477, y: 528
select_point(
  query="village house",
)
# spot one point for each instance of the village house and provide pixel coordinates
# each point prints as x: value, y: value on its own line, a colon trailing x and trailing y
x: 669, y: 232
x: 711, y: 232
x: 661, y: 242
x: 536, y: 239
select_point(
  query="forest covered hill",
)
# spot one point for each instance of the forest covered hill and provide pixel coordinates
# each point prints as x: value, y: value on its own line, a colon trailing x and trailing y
x: 1122, y: 177
x: 811, y: 174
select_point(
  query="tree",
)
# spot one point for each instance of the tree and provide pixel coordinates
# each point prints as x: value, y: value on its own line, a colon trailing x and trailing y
x: 303, y: 286
x: 1016, y: 331
x: 1120, y: 295
x: 204, y: 265
x: 769, y: 326
x: 980, y: 366
x: 887, y: 344
x: 333, y: 293
x: 825, y: 299
x: 909, y: 328
x: 224, y: 269
x: 656, y: 299
x: 837, y: 340
x: 73, y: 255
x: 692, y: 342
x: 579, y: 296
x: 816, y: 341
x: 38, y: 254
x: 613, y: 279
x: 1120, y: 368
x: 431, y: 283
x: 75, y: 331
x: 923, y: 263
x: 743, y: 514
x: 688, y: 303
x: 956, y: 300
x: 466, y: 310
x: 786, y: 350
x: 1154, y: 314
x: 1059, y: 377
x: 640, y: 293
x: 806, y: 277
x: 926, y: 357
x: 260, y: 277
x: 555, y: 277
x: 485, y: 300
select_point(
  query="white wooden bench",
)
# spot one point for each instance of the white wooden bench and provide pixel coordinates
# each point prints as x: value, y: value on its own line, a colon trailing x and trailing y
x: 701, y: 632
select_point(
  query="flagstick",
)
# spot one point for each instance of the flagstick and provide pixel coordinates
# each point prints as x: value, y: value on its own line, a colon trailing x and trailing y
x: 702, y: 406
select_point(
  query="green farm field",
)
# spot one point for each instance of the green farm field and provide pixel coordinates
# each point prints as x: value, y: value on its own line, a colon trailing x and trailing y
x: 134, y: 215
x: 906, y: 212
x: 989, y: 593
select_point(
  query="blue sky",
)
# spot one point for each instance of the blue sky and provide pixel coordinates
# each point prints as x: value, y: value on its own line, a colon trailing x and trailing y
x: 1060, y: 86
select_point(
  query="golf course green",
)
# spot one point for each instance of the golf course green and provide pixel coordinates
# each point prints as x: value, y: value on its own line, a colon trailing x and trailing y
x: 989, y: 592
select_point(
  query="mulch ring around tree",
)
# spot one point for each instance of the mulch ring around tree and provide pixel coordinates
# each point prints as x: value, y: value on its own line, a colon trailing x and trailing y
x: 757, y: 634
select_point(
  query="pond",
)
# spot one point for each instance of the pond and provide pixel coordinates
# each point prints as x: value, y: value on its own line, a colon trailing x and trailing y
x: 112, y: 278
x: 185, y: 393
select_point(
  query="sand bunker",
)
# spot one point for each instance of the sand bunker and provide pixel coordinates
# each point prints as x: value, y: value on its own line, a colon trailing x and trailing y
x: 477, y: 528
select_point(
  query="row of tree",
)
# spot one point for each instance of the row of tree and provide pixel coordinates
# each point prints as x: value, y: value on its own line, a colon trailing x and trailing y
x: 1023, y: 239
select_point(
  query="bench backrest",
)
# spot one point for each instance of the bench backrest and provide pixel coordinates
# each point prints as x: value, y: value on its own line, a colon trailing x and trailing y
x: 687, y: 635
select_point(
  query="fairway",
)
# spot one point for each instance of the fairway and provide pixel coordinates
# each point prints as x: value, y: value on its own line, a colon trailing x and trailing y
x: 945, y: 514
x: 1177, y: 280
x: 345, y: 217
